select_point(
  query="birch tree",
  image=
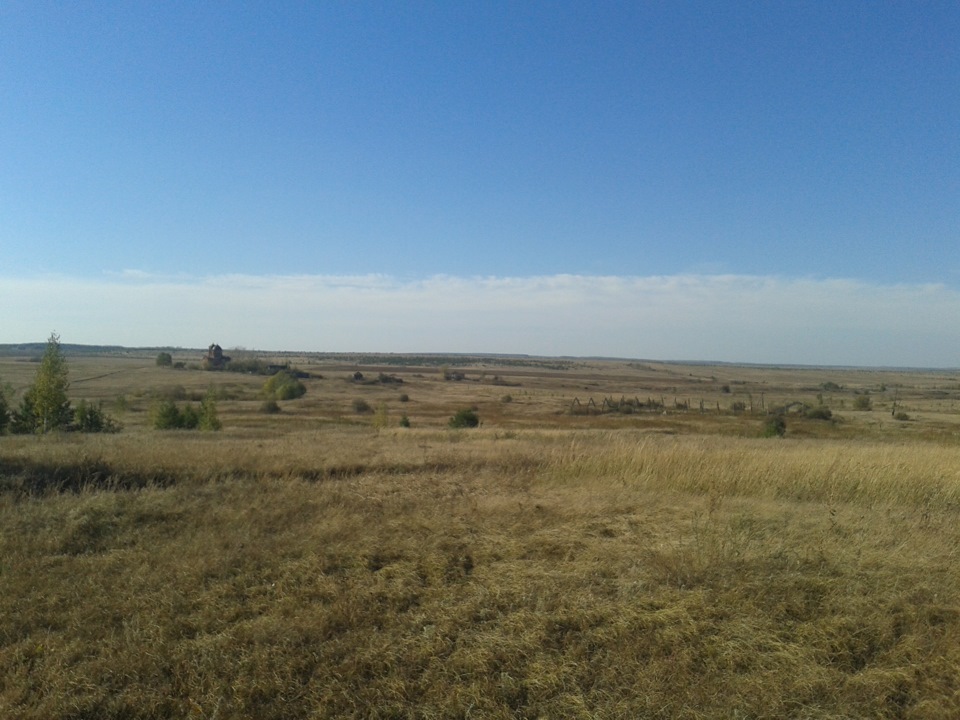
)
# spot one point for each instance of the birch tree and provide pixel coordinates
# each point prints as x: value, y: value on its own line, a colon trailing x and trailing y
x: 48, y: 396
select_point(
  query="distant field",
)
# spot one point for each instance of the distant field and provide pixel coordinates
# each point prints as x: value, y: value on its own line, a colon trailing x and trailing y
x: 617, y: 540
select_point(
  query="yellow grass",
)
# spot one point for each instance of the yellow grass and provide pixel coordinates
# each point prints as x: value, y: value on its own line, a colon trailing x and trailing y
x: 541, y: 566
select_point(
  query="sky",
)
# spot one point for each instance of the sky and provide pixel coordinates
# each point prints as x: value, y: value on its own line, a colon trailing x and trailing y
x: 741, y: 182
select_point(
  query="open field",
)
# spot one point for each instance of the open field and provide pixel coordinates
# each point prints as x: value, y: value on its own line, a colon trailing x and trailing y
x: 564, y: 560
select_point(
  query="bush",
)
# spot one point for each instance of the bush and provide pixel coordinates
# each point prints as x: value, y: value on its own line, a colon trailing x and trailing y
x: 167, y: 416
x: 381, y: 419
x: 247, y: 366
x: 209, y: 419
x: 174, y: 392
x: 862, y: 402
x: 776, y: 426
x: 4, y: 412
x: 23, y: 420
x: 270, y: 407
x: 90, y: 418
x: 164, y: 359
x: 465, y: 419
x: 189, y: 418
x: 404, y: 421
x: 361, y: 406
x: 404, y: 397
x: 284, y: 386
x: 901, y: 416
x: 818, y: 413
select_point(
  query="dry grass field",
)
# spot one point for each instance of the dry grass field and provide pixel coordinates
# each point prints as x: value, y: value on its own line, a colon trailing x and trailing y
x: 566, y: 559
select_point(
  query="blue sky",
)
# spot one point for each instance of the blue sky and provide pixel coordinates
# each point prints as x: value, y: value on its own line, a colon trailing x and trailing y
x: 593, y: 177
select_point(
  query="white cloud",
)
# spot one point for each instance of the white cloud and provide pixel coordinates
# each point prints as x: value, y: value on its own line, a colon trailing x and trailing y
x: 696, y: 317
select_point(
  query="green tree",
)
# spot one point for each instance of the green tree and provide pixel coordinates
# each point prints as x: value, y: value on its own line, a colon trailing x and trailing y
x: 209, y: 419
x: 4, y: 410
x: 48, y: 395
x: 164, y: 359
x: 22, y: 420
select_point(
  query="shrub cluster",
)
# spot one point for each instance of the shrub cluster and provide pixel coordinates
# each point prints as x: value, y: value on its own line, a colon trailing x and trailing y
x: 361, y: 406
x: 90, y: 418
x: 248, y: 366
x: 269, y: 407
x: 465, y: 419
x: 820, y: 412
x: 284, y: 386
x: 775, y: 426
x: 167, y: 415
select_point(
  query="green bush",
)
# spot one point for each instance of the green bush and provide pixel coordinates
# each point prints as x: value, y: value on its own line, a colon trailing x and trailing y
x: 901, y: 416
x: 465, y: 419
x: 189, y: 418
x: 862, y: 402
x: 209, y: 419
x: 90, y: 418
x: 164, y: 359
x: 167, y: 416
x: 284, y: 386
x: 818, y: 413
x: 4, y: 412
x: 776, y: 426
x: 270, y: 407
x: 404, y: 421
x: 23, y: 420
x: 247, y: 366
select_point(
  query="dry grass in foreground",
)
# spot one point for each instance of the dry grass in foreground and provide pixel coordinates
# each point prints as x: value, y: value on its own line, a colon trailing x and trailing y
x: 433, y: 574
